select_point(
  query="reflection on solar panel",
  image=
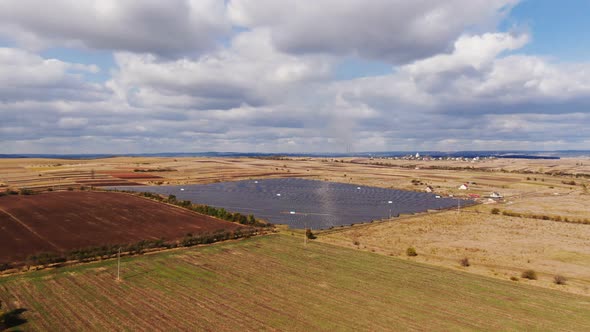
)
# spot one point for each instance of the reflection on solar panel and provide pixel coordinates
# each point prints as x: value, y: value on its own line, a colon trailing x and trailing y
x: 300, y: 203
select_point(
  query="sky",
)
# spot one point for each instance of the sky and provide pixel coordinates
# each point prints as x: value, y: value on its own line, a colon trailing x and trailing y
x: 110, y: 76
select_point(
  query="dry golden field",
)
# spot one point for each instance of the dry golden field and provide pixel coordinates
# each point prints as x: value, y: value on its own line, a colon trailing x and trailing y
x: 497, y: 245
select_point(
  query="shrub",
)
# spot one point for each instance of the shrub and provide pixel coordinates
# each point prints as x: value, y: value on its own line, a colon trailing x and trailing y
x: 309, y: 234
x: 356, y: 243
x: 513, y: 278
x: 464, y: 262
x: 529, y: 274
x: 495, y: 211
x: 25, y: 191
x: 411, y: 252
x: 559, y: 280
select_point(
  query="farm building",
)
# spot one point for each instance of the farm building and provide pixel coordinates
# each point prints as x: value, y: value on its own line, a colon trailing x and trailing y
x: 429, y: 189
x: 496, y: 195
x: 464, y: 186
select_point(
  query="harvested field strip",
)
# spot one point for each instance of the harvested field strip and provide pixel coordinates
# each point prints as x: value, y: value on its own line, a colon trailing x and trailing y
x: 133, y: 175
x: 110, y: 182
x: 275, y: 282
x: 498, y: 179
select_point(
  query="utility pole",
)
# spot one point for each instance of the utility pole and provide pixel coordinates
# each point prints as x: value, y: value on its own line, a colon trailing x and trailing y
x: 305, y: 234
x: 119, y: 265
x: 389, y: 202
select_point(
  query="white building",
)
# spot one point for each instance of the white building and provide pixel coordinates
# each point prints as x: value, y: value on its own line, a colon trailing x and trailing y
x: 464, y: 186
x: 496, y: 195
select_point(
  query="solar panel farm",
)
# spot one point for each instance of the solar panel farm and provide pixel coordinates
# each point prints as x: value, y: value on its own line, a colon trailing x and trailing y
x: 142, y: 243
x: 303, y: 203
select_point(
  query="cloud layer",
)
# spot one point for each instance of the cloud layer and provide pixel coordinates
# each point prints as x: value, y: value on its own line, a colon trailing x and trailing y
x: 260, y: 76
x: 166, y: 28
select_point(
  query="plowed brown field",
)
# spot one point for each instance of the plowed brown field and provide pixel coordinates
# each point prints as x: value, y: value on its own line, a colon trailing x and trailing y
x: 62, y: 221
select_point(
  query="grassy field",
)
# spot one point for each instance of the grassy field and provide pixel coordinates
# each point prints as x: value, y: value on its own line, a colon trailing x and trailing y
x: 496, y: 246
x: 274, y: 282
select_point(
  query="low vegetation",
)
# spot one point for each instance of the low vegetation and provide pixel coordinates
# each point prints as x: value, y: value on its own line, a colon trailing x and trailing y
x: 465, y: 262
x: 411, y: 251
x: 585, y: 221
x: 559, y: 280
x: 529, y: 274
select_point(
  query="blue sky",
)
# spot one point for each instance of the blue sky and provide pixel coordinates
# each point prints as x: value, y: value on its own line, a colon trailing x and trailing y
x: 559, y: 28
x: 291, y: 76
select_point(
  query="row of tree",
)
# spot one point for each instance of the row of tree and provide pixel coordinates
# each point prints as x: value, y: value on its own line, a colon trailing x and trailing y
x: 110, y: 251
x: 220, y: 213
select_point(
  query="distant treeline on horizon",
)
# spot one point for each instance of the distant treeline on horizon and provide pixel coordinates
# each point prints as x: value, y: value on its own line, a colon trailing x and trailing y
x: 434, y: 154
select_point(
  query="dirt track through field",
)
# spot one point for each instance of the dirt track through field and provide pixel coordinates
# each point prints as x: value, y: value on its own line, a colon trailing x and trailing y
x: 12, y: 217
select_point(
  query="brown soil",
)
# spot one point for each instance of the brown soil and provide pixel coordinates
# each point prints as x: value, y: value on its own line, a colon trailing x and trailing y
x: 62, y: 221
x: 107, y: 183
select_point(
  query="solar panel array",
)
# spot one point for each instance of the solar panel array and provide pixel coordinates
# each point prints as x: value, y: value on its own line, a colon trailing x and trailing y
x: 306, y: 203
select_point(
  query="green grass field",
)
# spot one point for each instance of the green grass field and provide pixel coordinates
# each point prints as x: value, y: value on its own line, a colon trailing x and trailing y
x: 274, y: 282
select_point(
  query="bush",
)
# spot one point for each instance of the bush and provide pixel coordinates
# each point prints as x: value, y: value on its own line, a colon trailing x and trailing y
x: 529, y: 274
x: 411, y: 252
x: 495, y: 211
x: 464, y: 262
x: 559, y: 280
x: 309, y: 234
x: 513, y: 278
x: 25, y: 191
